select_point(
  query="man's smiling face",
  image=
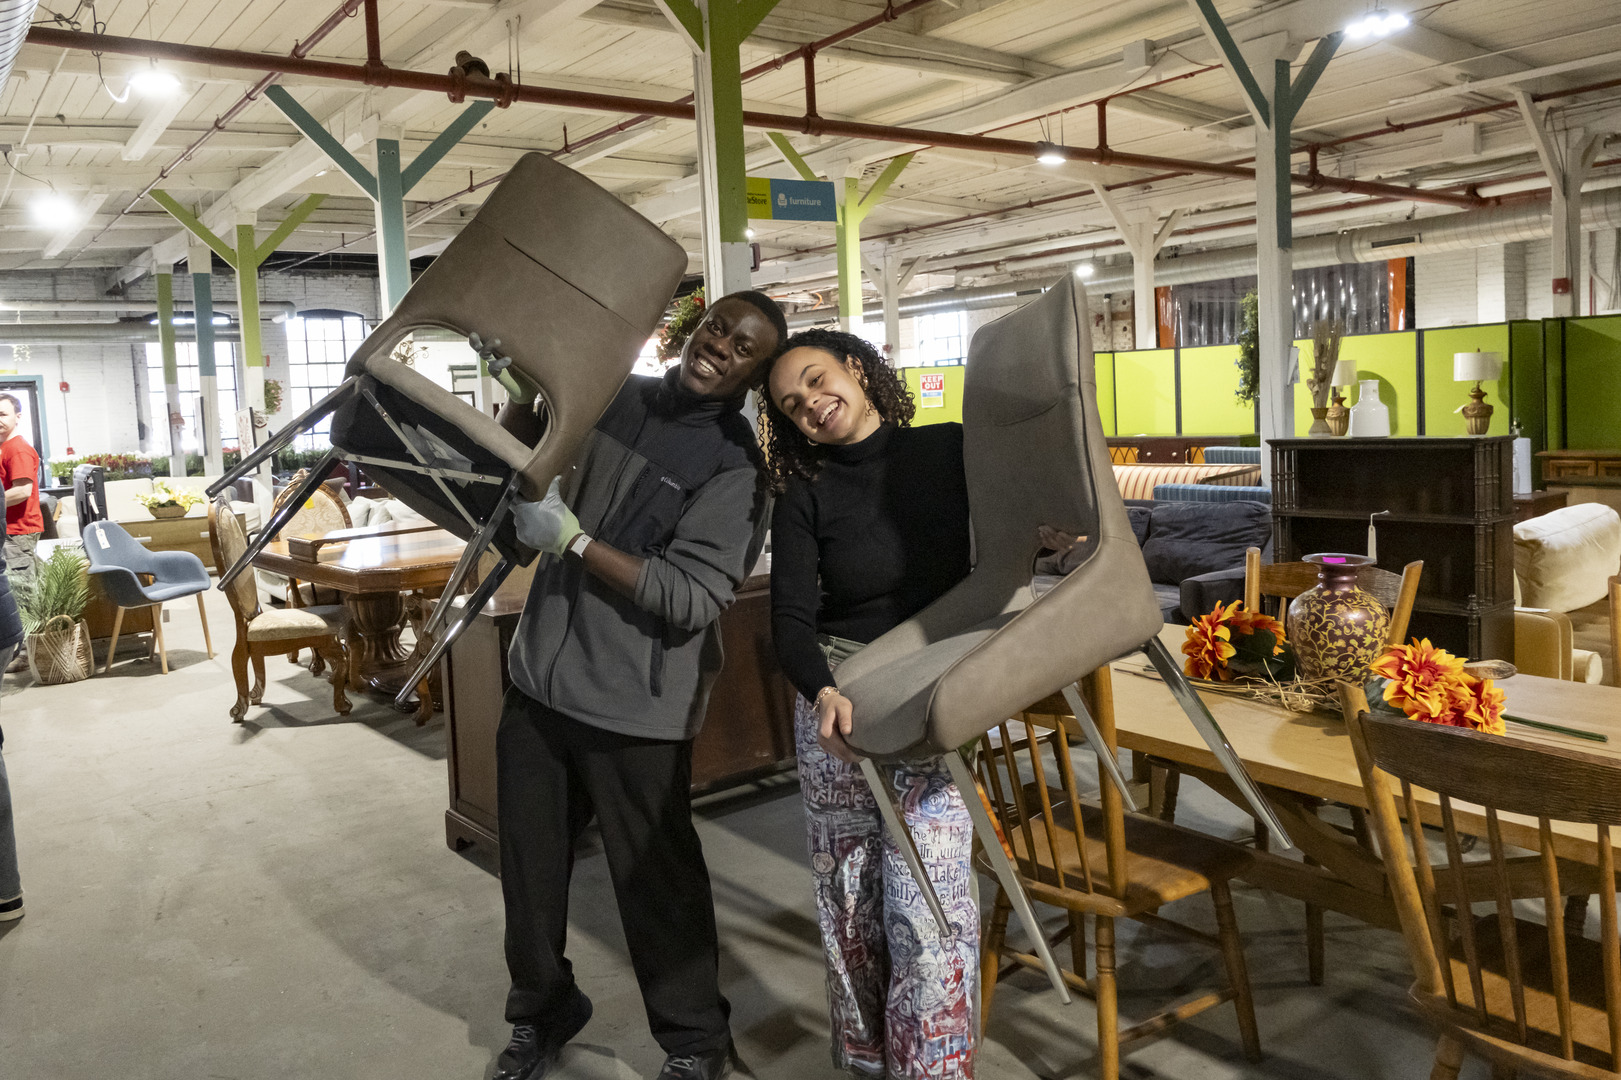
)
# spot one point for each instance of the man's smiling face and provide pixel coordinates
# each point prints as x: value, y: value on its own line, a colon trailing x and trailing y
x: 721, y: 356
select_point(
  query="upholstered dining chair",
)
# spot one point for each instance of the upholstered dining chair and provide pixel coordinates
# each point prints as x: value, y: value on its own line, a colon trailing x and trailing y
x: 323, y: 512
x: 1034, y: 454
x: 1520, y: 987
x: 261, y: 632
x: 571, y: 282
x: 120, y: 562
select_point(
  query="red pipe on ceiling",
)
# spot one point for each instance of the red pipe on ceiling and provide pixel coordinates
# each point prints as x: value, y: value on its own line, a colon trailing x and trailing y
x: 458, y: 85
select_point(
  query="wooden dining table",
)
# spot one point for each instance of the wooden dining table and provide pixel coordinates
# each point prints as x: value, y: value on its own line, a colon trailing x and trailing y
x: 373, y: 569
x: 1299, y: 759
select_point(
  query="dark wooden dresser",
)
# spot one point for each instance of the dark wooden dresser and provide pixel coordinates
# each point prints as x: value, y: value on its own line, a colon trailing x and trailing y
x: 748, y: 732
x: 1450, y: 503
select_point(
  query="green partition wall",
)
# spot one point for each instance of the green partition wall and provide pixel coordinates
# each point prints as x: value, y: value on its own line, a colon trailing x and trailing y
x: 1145, y: 392
x: 1390, y: 358
x: 1593, y: 372
x: 1103, y: 364
x: 1210, y: 405
x: 1443, y: 397
x: 1527, y: 370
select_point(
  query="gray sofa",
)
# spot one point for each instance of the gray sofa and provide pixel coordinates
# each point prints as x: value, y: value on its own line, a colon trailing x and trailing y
x: 1195, y: 551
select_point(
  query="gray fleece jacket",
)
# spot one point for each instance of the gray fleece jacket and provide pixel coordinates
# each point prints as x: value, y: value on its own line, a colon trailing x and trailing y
x: 672, y: 479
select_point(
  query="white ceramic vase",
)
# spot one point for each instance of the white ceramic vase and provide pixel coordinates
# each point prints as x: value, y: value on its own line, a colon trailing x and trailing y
x: 1370, y: 417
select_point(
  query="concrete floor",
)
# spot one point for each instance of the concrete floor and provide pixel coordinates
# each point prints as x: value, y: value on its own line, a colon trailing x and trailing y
x: 275, y: 900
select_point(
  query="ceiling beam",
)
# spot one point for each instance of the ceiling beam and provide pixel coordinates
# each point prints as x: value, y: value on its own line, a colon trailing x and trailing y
x: 152, y: 126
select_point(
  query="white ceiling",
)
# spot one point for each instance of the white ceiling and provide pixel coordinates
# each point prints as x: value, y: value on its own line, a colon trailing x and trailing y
x: 1023, y: 69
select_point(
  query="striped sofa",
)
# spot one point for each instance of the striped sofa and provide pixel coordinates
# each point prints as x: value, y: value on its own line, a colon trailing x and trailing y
x: 1139, y: 481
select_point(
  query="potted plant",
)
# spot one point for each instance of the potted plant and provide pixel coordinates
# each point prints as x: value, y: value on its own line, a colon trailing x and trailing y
x: 164, y: 501
x: 52, y: 607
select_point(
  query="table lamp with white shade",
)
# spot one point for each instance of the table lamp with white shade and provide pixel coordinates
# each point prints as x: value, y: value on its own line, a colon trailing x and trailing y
x: 1476, y: 367
x: 1339, y: 417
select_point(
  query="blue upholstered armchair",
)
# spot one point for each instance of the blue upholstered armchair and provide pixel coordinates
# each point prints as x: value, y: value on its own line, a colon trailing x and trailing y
x: 120, y: 562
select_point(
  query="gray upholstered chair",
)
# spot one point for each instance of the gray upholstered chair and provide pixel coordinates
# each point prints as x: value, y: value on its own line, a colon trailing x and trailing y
x: 120, y: 561
x: 1034, y: 453
x: 572, y: 282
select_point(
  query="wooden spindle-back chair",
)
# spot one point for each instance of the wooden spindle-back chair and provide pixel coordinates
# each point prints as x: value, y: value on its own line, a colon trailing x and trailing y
x: 1097, y: 860
x: 1531, y: 997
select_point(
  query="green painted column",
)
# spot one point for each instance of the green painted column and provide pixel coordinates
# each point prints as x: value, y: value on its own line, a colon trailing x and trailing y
x: 393, y: 255
x: 202, y: 304
x: 848, y: 237
x: 247, y: 300
x: 171, y: 369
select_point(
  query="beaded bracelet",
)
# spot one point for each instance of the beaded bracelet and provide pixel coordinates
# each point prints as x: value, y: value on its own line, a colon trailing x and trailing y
x: 822, y: 693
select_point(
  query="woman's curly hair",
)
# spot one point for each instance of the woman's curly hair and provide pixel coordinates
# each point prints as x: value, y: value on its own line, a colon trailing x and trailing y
x: 788, y: 451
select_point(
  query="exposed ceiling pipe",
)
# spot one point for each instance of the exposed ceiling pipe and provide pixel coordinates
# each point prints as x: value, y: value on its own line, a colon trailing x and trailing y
x: 458, y: 86
x: 61, y: 333
x: 268, y: 309
x: 1452, y: 232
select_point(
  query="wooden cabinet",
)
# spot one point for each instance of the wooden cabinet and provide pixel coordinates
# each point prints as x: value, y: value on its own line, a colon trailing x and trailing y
x: 748, y: 731
x: 1450, y: 503
x: 1581, y: 466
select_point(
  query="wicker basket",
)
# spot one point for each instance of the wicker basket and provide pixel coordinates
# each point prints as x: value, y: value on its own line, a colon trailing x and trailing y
x: 165, y: 513
x: 60, y: 651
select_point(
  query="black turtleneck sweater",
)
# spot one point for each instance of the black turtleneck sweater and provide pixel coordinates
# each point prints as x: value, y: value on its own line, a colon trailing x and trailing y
x: 878, y: 535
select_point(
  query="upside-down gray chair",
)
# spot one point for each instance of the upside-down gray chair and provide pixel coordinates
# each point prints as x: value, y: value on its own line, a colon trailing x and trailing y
x: 572, y: 282
x: 1034, y: 454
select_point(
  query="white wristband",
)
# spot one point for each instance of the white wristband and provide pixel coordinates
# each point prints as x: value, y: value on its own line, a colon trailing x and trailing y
x: 579, y: 545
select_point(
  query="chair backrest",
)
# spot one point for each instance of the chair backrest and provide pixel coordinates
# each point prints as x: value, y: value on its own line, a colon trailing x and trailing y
x: 1615, y: 630
x: 1285, y: 581
x: 228, y: 541
x: 1034, y: 454
x: 107, y: 543
x: 322, y: 512
x: 572, y: 282
x: 89, y: 494
x: 1029, y: 783
x: 1538, y: 990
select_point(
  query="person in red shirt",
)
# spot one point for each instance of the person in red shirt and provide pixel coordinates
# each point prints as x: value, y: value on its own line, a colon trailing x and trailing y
x: 19, y: 473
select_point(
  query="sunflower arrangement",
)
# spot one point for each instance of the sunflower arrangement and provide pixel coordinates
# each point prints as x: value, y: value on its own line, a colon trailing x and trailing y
x: 1233, y: 643
x: 1425, y: 683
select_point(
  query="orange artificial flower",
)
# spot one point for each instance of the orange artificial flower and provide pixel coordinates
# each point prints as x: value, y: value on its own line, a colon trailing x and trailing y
x: 1478, y: 704
x: 1245, y: 623
x: 1209, y: 644
x: 1419, y: 677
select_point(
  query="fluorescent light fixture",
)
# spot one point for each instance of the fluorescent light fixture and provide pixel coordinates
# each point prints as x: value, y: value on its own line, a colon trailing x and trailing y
x: 1377, y: 23
x: 154, y: 82
x: 1085, y: 270
x: 749, y: 233
x: 1050, y: 154
x: 53, y: 210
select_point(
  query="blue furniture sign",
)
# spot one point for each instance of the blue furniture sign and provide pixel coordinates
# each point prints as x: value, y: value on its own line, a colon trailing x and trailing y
x: 791, y: 200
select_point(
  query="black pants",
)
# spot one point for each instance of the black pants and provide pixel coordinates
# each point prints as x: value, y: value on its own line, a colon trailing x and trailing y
x: 554, y: 775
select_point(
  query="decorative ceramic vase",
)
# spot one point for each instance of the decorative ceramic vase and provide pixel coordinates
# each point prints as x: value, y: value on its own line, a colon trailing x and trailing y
x: 1336, y: 628
x: 1339, y: 417
x: 166, y: 512
x: 1319, y: 423
x: 1370, y: 417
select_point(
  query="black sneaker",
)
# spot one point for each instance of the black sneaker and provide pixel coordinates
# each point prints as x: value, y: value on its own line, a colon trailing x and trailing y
x: 534, y: 1047
x: 707, y: 1066
x: 11, y: 909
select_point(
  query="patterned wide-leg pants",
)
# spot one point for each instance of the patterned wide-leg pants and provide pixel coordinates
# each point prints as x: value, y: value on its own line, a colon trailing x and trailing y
x: 904, y: 1001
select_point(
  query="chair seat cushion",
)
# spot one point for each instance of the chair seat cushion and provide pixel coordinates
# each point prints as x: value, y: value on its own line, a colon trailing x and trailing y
x: 899, y: 694
x: 1164, y: 862
x: 283, y: 623
x: 1189, y: 539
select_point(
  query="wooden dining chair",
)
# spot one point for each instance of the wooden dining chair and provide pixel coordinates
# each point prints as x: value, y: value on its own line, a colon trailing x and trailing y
x: 1519, y: 987
x: 1280, y: 583
x: 261, y: 632
x: 1098, y: 861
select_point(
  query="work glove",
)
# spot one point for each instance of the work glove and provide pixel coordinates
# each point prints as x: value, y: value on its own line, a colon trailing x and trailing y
x: 497, y: 363
x: 547, y: 525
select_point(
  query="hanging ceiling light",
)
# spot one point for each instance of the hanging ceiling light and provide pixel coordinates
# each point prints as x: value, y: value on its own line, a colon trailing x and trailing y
x: 1085, y: 270
x: 153, y: 81
x: 1050, y: 154
x: 1377, y: 23
x: 53, y: 210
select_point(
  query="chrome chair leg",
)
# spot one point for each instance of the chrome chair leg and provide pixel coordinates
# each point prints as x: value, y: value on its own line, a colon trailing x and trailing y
x: 1205, y: 724
x: 281, y: 517
x: 1006, y: 873
x: 1106, y: 760
x: 884, y: 796
x: 476, y: 546
x: 283, y: 438
x: 475, y: 604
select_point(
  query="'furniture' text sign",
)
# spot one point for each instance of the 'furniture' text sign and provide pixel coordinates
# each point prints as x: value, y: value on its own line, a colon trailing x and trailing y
x: 791, y: 200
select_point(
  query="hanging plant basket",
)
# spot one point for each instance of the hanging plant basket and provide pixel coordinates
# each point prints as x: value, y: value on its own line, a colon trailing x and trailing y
x: 60, y: 651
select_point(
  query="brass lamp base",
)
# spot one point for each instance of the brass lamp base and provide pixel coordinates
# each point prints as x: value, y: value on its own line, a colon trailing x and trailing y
x: 1339, y: 417
x: 1477, y: 414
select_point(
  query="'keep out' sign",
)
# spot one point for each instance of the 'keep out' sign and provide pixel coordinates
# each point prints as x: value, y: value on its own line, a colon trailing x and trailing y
x: 933, y: 389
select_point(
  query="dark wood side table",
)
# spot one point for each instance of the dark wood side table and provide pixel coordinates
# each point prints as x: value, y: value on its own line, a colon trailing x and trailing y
x: 1581, y: 466
x: 1538, y: 503
x: 747, y: 733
